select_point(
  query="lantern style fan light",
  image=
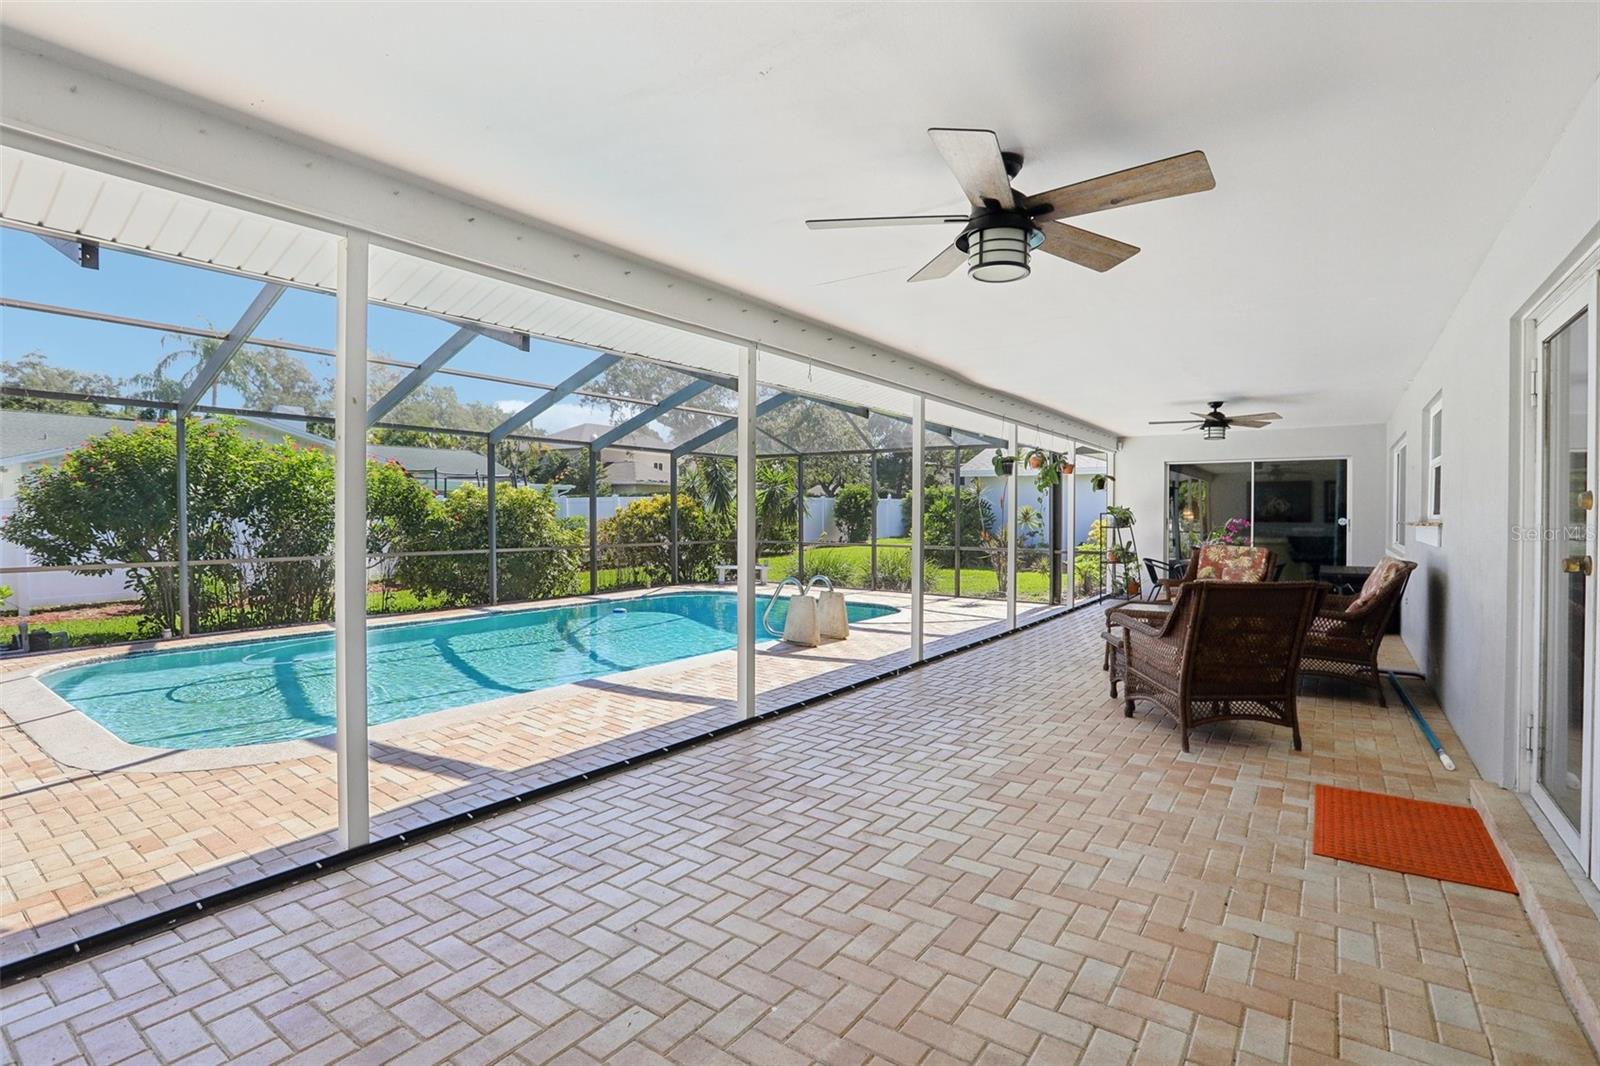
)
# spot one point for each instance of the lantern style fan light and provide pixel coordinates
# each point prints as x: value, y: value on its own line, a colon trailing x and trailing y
x: 1005, y: 226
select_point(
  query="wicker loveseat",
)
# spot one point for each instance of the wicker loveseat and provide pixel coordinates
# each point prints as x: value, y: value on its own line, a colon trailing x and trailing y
x: 1226, y: 651
x: 1347, y: 630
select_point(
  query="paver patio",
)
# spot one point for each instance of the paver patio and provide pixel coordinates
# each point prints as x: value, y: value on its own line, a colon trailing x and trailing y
x: 978, y: 861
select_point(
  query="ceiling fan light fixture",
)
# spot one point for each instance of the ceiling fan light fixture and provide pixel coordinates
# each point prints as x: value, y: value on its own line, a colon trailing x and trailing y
x: 998, y: 254
x: 1217, y: 431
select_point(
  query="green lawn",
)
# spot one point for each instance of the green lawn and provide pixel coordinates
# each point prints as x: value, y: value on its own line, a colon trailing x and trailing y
x: 857, y: 561
x: 83, y: 632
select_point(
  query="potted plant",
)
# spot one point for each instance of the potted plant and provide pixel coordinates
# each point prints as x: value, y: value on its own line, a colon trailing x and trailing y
x: 1036, y: 459
x: 1098, y: 482
x: 1003, y: 463
x: 1121, y: 517
x: 1131, y: 585
x: 1065, y: 466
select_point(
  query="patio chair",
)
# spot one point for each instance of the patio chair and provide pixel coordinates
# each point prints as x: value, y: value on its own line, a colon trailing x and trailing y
x: 1348, y: 630
x: 1227, y: 651
x: 1209, y: 562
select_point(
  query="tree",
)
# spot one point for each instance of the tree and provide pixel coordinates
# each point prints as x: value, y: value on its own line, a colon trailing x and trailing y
x: 265, y: 378
x: 778, y: 504
x: 33, y: 371
x: 938, y: 516
x: 852, y: 509
x: 430, y: 406
x: 652, y: 382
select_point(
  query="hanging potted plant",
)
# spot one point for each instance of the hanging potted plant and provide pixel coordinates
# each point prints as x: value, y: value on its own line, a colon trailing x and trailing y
x: 1036, y: 459
x: 1065, y: 466
x: 1098, y: 482
x: 1003, y: 464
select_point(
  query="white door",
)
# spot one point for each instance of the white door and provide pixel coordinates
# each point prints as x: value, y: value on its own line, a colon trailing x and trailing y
x: 1565, y: 735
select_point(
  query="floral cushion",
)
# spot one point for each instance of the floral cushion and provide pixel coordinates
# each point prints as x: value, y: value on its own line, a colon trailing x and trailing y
x: 1232, y: 562
x: 1388, y: 570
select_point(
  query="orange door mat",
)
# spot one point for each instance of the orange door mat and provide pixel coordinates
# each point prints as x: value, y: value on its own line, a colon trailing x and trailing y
x: 1409, y: 836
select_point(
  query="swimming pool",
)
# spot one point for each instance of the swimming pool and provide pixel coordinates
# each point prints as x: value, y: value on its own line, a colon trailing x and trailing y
x: 259, y: 692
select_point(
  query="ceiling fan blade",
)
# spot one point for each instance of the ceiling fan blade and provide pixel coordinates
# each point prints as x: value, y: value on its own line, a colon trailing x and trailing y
x: 1260, y: 416
x: 1200, y: 416
x: 1084, y: 248
x: 889, y: 220
x: 941, y: 264
x: 974, y: 157
x: 1249, y: 423
x: 1174, y: 422
x: 1177, y: 176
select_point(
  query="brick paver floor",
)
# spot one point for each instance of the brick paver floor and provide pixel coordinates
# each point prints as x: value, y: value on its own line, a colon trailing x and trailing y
x: 978, y: 861
x: 81, y: 852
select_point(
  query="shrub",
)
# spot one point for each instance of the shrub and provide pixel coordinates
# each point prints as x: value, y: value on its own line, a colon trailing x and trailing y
x: 938, y: 515
x: 852, y: 510
x: 525, y: 518
x: 835, y: 566
x: 894, y: 569
x: 648, y: 521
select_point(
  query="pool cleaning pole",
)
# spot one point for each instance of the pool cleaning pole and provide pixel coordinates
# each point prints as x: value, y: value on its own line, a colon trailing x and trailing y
x: 1416, y: 716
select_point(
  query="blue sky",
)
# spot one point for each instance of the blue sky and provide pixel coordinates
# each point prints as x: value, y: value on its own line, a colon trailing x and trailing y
x: 157, y: 290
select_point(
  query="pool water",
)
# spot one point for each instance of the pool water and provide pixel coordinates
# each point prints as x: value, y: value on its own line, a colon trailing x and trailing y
x: 258, y: 692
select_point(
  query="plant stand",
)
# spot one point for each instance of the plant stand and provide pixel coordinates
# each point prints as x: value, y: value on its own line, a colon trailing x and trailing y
x: 1118, y: 537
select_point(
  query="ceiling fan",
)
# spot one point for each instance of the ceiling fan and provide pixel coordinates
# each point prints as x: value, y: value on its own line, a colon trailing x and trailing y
x: 1004, y: 225
x: 1215, y: 424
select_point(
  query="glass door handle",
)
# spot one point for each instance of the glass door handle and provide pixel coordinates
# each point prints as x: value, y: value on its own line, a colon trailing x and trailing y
x: 1578, y: 564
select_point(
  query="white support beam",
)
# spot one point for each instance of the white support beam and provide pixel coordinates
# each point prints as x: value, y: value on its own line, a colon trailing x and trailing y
x: 1012, y: 484
x: 745, y: 516
x: 350, y: 543
x: 917, y: 427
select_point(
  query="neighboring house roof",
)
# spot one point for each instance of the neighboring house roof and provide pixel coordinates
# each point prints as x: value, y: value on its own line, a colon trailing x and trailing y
x: 29, y: 436
x: 26, y: 436
x: 588, y: 431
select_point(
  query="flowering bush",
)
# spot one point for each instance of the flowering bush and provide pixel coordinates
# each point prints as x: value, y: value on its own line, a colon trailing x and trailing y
x: 1237, y: 531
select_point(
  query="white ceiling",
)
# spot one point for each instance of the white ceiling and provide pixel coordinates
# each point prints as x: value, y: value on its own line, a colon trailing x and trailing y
x: 1365, y: 156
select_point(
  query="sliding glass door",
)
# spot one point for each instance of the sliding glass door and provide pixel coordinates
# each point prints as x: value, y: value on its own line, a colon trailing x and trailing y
x: 1296, y: 507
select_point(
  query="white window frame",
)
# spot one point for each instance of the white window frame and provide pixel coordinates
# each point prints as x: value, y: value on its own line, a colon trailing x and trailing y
x: 1433, y: 434
x: 1397, y: 493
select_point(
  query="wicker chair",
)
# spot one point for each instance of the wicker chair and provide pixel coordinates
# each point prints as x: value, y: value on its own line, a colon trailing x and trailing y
x: 1226, y: 651
x: 1347, y: 631
x: 1210, y: 562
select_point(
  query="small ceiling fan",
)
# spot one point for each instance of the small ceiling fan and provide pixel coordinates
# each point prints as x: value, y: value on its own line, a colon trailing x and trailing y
x: 1215, y: 424
x: 1004, y: 225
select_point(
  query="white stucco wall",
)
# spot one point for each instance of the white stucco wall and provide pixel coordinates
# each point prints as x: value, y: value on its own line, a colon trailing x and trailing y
x: 1458, y: 614
x: 1142, y: 481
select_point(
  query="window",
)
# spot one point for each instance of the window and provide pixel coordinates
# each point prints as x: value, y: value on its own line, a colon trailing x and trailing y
x: 1397, y: 493
x: 1435, y: 481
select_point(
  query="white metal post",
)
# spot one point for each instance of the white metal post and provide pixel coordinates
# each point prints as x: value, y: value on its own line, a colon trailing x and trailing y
x: 350, y: 542
x: 181, y: 428
x: 1013, y: 480
x: 918, y: 417
x: 745, y: 510
x: 1069, y: 534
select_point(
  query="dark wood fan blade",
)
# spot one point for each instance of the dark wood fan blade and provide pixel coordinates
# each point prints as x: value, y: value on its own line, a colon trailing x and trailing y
x: 941, y: 264
x: 974, y: 157
x: 1178, y: 176
x: 1175, y: 422
x: 1250, y: 423
x: 1084, y: 248
x: 888, y: 220
x: 1259, y: 416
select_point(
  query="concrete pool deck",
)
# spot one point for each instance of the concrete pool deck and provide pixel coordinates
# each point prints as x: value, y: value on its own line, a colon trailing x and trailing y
x: 94, y: 831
